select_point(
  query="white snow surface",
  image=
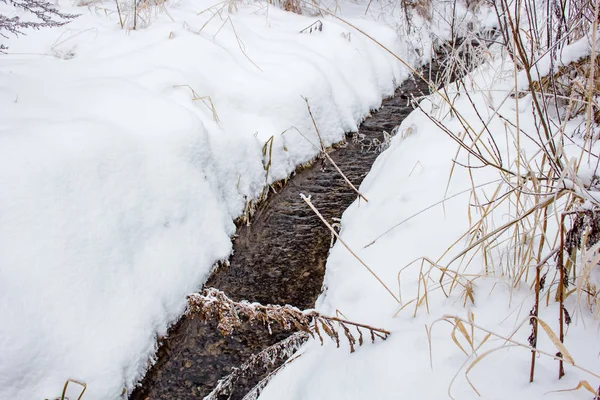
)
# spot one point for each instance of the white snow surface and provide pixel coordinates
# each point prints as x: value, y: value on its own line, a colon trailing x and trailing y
x: 119, y: 184
x: 405, y: 189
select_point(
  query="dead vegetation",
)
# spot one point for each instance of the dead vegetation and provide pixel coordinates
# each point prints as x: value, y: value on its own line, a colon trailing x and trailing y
x: 213, y: 305
x: 550, y: 241
x: 269, y: 357
x: 549, y: 191
x: 422, y: 8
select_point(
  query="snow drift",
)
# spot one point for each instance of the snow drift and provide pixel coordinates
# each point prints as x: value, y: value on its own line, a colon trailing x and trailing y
x: 125, y: 156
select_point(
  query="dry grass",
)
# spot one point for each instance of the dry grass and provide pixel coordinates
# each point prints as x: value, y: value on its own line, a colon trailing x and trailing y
x: 549, y: 244
x: 572, y: 86
x: 294, y: 6
x: 544, y: 245
x: 137, y: 14
x: 72, y: 382
x: 206, y: 100
x: 466, y: 330
x: 213, y: 305
x: 324, y: 153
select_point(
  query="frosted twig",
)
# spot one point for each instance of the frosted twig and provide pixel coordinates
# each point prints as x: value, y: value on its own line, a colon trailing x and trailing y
x: 214, y: 305
x: 268, y: 357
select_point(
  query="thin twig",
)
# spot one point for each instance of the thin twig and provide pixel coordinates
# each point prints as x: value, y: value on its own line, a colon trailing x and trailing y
x: 324, y: 152
x: 426, y: 209
x: 310, y: 204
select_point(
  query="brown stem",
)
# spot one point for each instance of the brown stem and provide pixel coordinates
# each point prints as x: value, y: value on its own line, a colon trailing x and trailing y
x: 119, y: 11
x: 135, y: 14
x: 561, y: 314
x: 534, y: 328
x: 520, y: 47
x: 345, y: 321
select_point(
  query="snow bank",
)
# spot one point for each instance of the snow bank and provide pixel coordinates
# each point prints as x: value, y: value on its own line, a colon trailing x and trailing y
x: 409, y: 182
x: 124, y: 157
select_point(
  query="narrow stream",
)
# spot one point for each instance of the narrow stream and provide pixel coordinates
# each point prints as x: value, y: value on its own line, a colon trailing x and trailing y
x: 278, y: 259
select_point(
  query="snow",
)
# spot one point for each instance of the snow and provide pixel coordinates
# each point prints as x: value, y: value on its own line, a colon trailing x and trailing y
x: 422, y: 200
x: 125, y: 156
x: 549, y: 62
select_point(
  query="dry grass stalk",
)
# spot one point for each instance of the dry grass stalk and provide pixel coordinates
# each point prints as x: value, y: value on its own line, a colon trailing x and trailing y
x: 213, y: 305
x: 206, y: 100
x: 268, y: 145
x: 326, y: 155
x: 448, y: 280
x: 314, y: 27
x: 66, y: 386
x: 581, y: 385
x: 120, y: 16
x: 333, y: 232
x: 459, y: 324
x: 562, y: 286
x: 136, y: 14
x: 534, y: 313
x: 437, y: 203
x: 241, y: 44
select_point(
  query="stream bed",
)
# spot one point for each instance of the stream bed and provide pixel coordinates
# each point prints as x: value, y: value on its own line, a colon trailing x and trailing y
x: 278, y: 259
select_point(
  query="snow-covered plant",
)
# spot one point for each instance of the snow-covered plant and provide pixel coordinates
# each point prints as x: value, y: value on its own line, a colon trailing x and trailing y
x: 214, y: 305
x: 269, y: 357
x: 44, y: 14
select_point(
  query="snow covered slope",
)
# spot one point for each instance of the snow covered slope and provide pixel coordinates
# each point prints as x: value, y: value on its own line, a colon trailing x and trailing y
x: 420, y: 204
x: 125, y: 155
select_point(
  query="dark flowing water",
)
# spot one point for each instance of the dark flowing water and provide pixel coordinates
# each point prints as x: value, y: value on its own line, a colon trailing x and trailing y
x: 279, y: 259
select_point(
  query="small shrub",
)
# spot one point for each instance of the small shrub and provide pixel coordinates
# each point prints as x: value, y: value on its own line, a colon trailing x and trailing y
x: 46, y: 14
